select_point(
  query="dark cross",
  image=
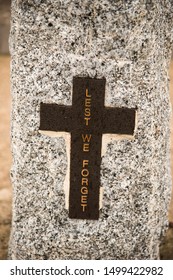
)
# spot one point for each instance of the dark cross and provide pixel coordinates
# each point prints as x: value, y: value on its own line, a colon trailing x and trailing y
x: 87, y: 119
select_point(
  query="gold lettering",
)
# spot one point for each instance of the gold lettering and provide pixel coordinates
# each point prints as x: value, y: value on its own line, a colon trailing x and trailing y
x: 84, y: 190
x: 85, y: 172
x: 87, y: 121
x: 87, y: 112
x: 85, y: 162
x: 84, y: 199
x: 86, y: 137
x: 83, y: 207
x: 87, y: 94
x: 86, y: 147
x: 84, y: 181
x: 87, y: 102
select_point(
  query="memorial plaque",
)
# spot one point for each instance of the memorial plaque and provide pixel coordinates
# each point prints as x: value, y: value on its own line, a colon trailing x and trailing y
x: 51, y: 43
x: 87, y: 120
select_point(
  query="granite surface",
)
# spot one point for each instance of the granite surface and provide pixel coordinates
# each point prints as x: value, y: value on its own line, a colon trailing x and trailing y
x: 129, y: 43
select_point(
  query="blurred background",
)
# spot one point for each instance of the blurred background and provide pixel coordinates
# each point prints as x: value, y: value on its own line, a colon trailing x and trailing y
x: 166, y: 249
x: 4, y: 25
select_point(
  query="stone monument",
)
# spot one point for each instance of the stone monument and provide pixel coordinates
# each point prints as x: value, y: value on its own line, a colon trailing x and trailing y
x: 90, y: 128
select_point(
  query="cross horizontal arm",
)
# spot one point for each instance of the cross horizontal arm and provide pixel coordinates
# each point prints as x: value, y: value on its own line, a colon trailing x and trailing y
x: 56, y: 117
x: 119, y: 120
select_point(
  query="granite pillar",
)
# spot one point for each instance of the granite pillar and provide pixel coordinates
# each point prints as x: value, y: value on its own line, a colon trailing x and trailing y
x: 127, y: 43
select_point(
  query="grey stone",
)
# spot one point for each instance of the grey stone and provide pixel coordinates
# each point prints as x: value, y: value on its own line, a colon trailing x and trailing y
x: 129, y: 43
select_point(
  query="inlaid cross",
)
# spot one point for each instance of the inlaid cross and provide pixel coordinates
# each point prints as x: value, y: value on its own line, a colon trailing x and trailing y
x: 87, y: 120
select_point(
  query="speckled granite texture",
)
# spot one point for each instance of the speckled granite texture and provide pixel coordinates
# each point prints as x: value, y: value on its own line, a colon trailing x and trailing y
x: 128, y: 43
